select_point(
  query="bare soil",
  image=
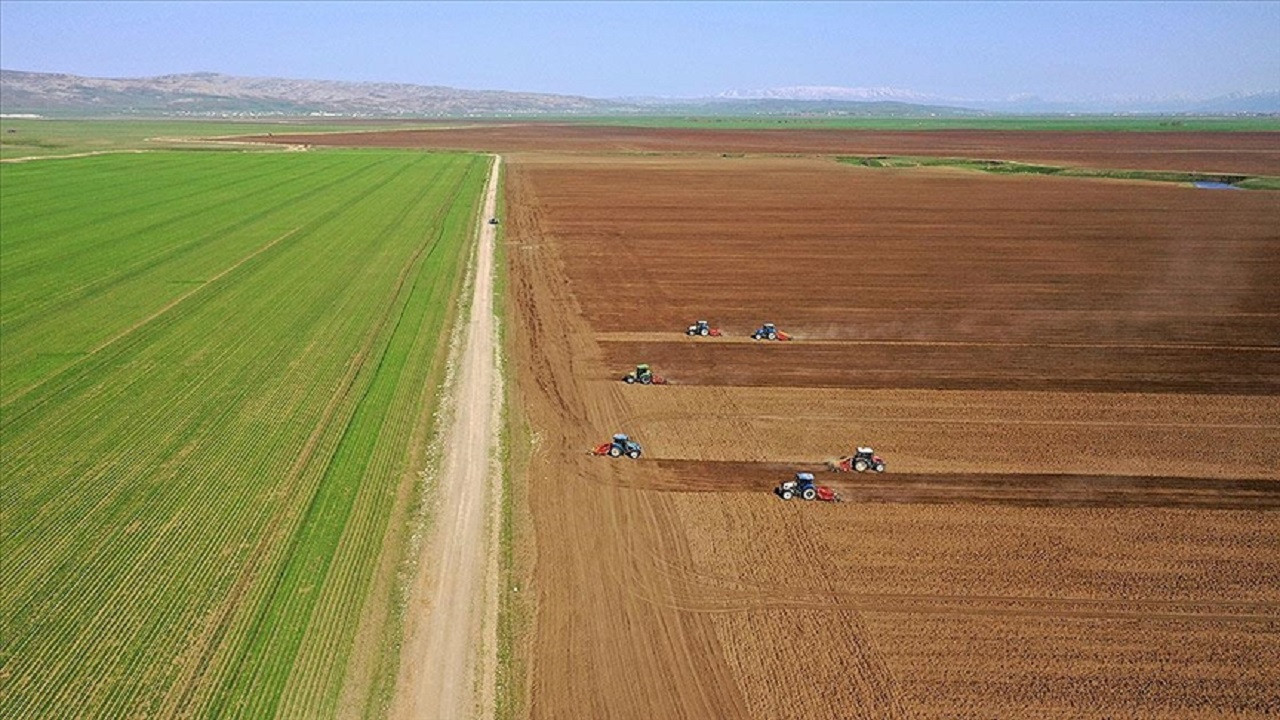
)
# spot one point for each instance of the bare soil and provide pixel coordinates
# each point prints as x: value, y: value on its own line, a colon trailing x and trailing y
x: 1073, y: 383
x: 1209, y: 152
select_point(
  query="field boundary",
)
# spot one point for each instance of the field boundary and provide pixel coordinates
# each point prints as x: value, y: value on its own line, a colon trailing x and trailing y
x: 448, y: 659
x: 515, y: 541
x: 91, y: 153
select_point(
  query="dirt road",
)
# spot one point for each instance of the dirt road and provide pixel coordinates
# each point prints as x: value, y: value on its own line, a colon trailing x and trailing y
x: 447, y: 663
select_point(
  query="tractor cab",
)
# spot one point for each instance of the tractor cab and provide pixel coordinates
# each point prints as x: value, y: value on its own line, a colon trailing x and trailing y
x: 623, y: 445
x: 617, y: 447
x: 802, y: 486
x: 766, y: 332
x: 643, y: 375
x: 861, y: 461
x: 702, y: 328
x: 867, y: 459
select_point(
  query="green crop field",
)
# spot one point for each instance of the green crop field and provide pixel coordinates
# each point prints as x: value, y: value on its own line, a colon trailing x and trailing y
x: 39, y: 137
x: 217, y: 380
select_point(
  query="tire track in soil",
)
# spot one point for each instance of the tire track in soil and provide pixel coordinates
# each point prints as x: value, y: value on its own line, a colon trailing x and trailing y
x: 599, y: 649
x: 799, y: 339
x: 1120, y: 368
x: 1019, y: 490
x: 611, y: 631
x: 735, y: 412
x: 772, y: 606
x: 706, y: 592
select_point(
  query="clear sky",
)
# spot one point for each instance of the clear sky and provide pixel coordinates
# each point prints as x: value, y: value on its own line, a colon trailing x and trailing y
x: 958, y: 49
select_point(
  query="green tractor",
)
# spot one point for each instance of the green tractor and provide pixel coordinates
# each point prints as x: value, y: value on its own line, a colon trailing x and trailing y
x: 643, y: 375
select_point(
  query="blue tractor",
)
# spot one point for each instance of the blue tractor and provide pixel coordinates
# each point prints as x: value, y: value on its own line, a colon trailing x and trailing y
x: 803, y: 486
x: 769, y: 331
x: 619, y: 446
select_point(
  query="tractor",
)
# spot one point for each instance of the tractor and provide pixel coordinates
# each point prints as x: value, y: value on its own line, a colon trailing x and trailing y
x: 804, y: 486
x: 702, y: 328
x: 619, y: 446
x: 769, y: 332
x: 643, y: 375
x: 863, y: 460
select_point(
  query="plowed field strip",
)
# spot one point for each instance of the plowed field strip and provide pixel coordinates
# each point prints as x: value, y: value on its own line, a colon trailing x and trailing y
x: 714, y: 590
x: 993, y: 489
x: 1239, y: 371
x: 723, y: 413
x: 1243, y: 152
x: 712, y: 600
x: 600, y: 649
x: 798, y: 340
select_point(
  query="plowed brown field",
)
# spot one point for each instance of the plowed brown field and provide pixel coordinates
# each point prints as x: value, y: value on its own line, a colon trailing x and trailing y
x: 1243, y: 152
x: 1075, y: 383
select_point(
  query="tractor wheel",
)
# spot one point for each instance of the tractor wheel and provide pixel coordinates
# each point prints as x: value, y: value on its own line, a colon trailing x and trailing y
x: 615, y: 451
x: 646, y: 380
x: 809, y: 494
x: 879, y: 467
x: 628, y: 380
x: 773, y: 336
x: 634, y: 454
x: 860, y: 465
x: 787, y: 494
x: 704, y: 332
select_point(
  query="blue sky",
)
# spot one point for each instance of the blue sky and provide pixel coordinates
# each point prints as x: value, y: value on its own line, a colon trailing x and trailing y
x: 956, y: 49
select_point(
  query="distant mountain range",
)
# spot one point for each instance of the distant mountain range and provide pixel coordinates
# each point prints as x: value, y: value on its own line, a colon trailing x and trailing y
x: 216, y: 95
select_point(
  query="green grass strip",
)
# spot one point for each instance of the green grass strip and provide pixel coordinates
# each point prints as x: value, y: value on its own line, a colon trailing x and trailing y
x: 1009, y: 167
